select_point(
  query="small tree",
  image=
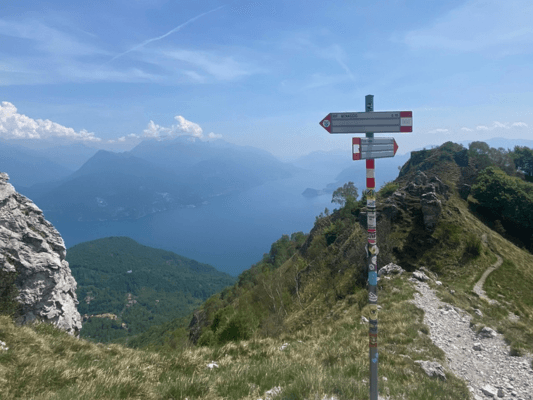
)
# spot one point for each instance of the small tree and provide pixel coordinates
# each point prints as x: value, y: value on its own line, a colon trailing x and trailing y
x: 523, y: 158
x: 342, y: 194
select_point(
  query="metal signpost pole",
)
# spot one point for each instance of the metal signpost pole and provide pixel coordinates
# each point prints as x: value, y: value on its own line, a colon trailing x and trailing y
x: 372, y: 252
x: 368, y: 149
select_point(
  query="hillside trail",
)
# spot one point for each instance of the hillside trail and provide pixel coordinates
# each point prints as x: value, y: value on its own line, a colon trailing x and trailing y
x: 483, y: 360
x: 478, y: 287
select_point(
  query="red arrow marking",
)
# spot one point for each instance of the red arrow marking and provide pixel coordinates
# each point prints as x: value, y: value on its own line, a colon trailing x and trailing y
x: 326, y: 123
x: 356, y: 152
x: 395, y: 146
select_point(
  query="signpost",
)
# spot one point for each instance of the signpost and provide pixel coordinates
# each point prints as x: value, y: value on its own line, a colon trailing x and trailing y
x: 375, y: 122
x: 370, y: 148
x: 364, y: 148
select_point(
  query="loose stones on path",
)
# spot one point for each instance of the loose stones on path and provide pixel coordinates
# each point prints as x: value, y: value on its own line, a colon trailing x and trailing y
x: 482, y: 360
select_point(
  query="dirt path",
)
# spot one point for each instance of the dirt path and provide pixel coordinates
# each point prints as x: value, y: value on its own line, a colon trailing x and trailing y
x: 478, y: 287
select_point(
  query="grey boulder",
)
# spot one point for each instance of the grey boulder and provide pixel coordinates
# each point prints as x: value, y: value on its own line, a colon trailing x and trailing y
x: 34, y: 250
x: 432, y: 368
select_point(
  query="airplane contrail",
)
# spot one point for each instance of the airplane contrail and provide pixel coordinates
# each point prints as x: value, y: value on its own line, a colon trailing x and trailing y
x: 165, y: 35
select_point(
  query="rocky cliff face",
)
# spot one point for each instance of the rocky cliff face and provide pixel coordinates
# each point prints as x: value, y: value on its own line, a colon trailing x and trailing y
x: 34, y: 250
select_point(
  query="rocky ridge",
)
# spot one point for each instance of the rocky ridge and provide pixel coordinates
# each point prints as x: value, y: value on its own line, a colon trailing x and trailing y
x: 33, y: 250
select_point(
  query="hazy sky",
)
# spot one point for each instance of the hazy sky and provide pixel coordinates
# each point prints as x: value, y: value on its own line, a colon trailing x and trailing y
x: 264, y: 73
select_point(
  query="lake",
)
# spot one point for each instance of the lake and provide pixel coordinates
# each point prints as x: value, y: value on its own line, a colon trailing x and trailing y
x: 230, y: 233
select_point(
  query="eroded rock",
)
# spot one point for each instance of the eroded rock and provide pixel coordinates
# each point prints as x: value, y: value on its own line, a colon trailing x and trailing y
x: 31, y: 247
x: 433, y: 369
x: 391, y: 269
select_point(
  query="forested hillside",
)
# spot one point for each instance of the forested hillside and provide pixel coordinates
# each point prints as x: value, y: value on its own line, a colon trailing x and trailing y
x: 124, y: 288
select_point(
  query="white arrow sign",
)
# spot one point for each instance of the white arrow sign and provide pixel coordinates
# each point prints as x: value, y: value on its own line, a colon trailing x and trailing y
x: 371, y: 122
x: 367, y: 148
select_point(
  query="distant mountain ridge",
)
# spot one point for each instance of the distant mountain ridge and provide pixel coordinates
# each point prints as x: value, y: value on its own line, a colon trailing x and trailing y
x: 153, y: 177
x: 27, y: 167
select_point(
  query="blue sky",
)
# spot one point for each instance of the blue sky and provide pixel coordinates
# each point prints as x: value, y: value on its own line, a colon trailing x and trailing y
x: 263, y: 73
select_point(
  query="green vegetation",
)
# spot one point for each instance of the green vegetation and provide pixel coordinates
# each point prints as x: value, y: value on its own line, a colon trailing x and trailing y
x: 8, y: 292
x: 142, y: 286
x: 523, y: 159
x: 310, y: 293
x: 507, y: 202
x: 387, y: 189
x: 345, y: 193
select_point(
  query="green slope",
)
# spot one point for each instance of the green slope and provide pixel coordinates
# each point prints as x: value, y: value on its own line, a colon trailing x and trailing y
x: 140, y: 285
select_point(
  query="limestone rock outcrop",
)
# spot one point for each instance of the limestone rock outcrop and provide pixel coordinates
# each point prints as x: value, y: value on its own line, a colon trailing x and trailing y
x: 199, y: 321
x: 429, y: 194
x: 431, y: 209
x: 34, y: 250
x: 391, y: 269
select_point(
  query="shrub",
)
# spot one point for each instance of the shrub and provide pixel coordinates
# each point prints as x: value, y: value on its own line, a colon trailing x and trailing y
x: 221, y: 318
x: 387, y: 189
x: 239, y: 327
x: 207, y: 339
x: 473, y: 245
x: 8, y: 292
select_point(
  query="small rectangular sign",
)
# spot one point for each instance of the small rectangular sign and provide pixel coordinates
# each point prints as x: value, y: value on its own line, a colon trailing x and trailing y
x: 371, y: 122
x: 370, y: 148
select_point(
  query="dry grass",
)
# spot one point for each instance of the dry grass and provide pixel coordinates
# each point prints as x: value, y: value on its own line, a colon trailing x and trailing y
x: 330, y: 357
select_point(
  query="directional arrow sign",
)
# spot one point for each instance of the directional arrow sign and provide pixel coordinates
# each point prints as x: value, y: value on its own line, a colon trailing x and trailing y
x: 366, y: 148
x: 371, y: 122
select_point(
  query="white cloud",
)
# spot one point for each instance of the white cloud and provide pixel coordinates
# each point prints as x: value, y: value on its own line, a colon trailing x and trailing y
x: 48, y: 40
x: 339, y: 55
x: 438, y: 131
x: 18, y: 126
x: 501, y: 27
x: 497, y: 124
x: 466, y: 129
x: 50, y: 55
x: 185, y: 126
x: 220, y: 67
x: 153, y: 130
x: 182, y: 128
x: 166, y: 34
x: 214, y: 135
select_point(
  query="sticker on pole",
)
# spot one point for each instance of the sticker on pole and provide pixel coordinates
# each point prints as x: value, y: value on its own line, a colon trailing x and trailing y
x: 373, y: 278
